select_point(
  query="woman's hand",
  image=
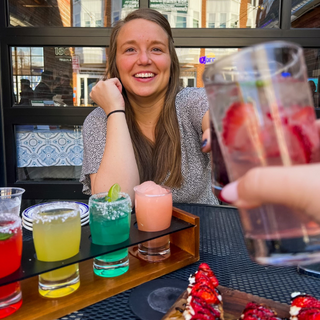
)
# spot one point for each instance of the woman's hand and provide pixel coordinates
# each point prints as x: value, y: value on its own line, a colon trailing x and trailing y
x: 206, y: 144
x: 108, y: 95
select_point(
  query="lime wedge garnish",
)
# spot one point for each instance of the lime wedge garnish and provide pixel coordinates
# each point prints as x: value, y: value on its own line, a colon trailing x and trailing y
x: 113, y: 193
x: 5, y: 236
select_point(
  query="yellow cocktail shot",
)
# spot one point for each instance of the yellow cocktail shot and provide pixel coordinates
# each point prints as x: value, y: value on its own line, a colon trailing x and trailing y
x: 56, y: 236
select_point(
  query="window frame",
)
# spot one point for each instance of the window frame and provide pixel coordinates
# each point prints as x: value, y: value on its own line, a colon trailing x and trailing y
x: 100, y: 37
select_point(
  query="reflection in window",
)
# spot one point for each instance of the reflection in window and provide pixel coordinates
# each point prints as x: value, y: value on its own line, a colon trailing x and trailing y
x: 312, y: 58
x: 220, y: 13
x: 305, y: 14
x: 181, y: 22
x: 195, y: 19
x: 223, y: 20
x: 234, y: 21
x: 71, y: 13
x: 77, y: 20
x: 56, y: 76
x: 212, y: 20
x: 27, y: 65
x: 193, y: 62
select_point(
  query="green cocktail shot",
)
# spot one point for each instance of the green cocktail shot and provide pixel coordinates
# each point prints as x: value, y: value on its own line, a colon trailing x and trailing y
x: 110, y: 219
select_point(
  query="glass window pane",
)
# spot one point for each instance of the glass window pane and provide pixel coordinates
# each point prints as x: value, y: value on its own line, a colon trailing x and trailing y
x: 37, y: 51
x: 223, y: 20
x: 312, y: 58
x: 64, y: 76
x: 219, y: 13
x: 71, y: 13
x: 193, y: 62
x: 37, y: 61
x: 305, y: 14
x: 181, y: 22
x: 56, y: 76
x: 49, y: 152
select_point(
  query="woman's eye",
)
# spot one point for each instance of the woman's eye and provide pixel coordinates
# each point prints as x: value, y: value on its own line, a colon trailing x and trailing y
x: 129, y: 50
x: 157, y: 49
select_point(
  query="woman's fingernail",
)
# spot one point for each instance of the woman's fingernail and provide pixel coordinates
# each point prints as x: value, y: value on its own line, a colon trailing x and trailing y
x: 230, y: 192
x: 204, y: 143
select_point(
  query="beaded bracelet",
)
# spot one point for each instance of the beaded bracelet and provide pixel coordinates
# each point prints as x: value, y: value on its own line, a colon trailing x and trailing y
x: 114, y: 111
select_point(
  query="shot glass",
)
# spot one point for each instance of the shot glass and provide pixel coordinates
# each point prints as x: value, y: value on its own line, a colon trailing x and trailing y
x: 10, y: 253
x: 154, y: 213
x: 110, y: 225
x: 10, y: 200
x: 262, y: 111
x: 56, y: 236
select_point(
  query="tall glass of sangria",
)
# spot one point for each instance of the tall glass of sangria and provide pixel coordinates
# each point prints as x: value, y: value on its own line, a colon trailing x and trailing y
x: 261, y: 109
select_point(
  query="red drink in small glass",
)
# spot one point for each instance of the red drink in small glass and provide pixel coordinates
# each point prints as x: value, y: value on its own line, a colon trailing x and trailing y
x: 10, y: 252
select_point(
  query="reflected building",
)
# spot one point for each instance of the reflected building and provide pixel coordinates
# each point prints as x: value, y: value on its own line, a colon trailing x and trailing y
x: 86, y: 65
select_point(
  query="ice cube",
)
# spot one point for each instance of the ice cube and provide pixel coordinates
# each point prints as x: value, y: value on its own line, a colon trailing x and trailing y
x: 150, y: 188
x: 11, y: 205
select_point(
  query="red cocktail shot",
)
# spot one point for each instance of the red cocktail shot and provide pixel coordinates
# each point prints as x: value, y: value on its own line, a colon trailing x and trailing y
x: 10, y: 252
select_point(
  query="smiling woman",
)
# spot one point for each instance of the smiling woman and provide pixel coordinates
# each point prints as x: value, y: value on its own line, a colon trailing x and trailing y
x: 143, y: 60
x: 159, y: 137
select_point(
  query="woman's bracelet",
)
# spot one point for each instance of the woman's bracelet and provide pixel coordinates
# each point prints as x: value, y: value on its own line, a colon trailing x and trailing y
x: 114, y: 111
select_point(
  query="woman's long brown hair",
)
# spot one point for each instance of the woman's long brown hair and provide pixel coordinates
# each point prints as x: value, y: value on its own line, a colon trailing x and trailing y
x: 159, y: 161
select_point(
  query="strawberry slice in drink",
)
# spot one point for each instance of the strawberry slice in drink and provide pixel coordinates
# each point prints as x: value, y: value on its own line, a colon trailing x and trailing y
x: 305, y: 130
x: 238, y: 123
x: 263, y: 140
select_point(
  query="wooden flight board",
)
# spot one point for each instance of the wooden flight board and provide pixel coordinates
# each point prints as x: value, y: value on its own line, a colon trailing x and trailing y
x: 184, y: 251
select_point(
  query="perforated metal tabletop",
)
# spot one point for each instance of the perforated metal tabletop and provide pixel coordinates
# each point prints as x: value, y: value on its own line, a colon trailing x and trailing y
x: 222, y: 247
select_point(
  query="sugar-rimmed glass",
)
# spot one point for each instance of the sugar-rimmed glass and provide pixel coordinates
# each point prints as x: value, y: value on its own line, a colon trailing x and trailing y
x: 154, y: 213
x: 56, y: 235
x: 110, y: 225
x: 10, y: 252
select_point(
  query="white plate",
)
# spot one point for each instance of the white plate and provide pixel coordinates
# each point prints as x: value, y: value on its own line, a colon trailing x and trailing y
x: 28, y: 213
x: 28, y: 225
x: 84, y: 222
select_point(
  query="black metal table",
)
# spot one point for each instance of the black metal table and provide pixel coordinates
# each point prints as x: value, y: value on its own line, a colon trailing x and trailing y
x: 222, y: 247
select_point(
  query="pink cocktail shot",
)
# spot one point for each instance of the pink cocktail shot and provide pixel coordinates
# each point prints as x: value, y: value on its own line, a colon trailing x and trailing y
x: 153, y: 207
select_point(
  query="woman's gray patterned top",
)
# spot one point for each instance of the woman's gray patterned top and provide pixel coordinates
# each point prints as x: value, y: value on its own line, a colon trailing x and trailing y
x: 191, y: 105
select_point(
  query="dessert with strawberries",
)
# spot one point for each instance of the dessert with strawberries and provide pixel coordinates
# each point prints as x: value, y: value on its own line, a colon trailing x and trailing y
x: 304, y: 307
x: 204, y: 299
x: 257, y: 311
